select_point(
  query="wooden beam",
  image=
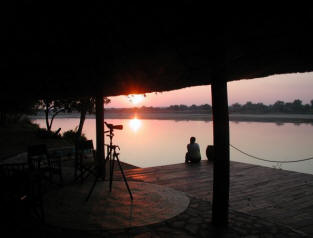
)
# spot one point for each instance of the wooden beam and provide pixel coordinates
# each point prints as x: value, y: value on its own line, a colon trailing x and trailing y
x: 100, y: 135
x: 221, y: 146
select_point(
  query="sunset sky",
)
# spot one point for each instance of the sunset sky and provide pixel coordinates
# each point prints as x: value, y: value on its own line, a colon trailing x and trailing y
x: 268, y: 90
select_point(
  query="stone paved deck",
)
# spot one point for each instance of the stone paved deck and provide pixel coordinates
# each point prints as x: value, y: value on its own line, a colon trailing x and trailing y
x: 193, y: 222
x: 264, y: 202
x: 67, y: 207
x: 279, y: 196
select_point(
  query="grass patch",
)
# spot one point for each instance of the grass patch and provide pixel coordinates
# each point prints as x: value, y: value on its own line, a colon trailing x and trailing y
x: 15, y: 137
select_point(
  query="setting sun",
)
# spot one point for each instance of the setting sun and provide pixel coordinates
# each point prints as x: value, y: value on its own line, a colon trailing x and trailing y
x: 135, y: 98
x: 135, y: 124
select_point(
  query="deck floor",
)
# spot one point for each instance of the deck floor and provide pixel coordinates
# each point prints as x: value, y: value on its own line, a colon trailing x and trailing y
x: 281, y: 196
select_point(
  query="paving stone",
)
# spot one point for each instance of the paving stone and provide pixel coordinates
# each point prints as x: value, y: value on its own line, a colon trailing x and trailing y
x: 146, y: 235
x: 195, y: 220
x: 192, y: 228
x: 267, y: 236
x: 183, y: 216
x: 178, y: 224
x: 192, y: 212
x: 164, y: 229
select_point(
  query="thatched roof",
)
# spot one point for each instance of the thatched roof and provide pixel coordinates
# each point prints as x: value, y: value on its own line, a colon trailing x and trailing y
x: 120, y: 49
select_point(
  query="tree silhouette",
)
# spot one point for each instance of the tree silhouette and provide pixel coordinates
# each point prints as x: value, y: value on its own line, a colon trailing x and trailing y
x: 297, y: 106
x: 12, y: 110
x: 278, y: 106
x: 53, y: 108
x: 84, y: 105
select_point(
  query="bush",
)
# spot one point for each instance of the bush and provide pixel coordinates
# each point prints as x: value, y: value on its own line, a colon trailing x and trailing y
x: 26, y: 122
x: 72, y: 136
x: 43, y: 133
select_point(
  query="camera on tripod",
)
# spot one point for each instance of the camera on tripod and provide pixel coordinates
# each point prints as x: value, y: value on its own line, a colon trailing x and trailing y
x: 111, y: 126
x: 112, y: 156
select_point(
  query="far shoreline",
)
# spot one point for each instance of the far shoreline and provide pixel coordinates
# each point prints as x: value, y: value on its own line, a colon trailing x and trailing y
x: 277, y: 118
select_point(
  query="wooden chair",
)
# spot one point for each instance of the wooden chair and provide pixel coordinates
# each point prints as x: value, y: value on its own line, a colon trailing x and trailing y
x: 21, y: 193
x: 55, y: 168
x: 85, y: 158
x: 37, y: 156
x: 41, y: 162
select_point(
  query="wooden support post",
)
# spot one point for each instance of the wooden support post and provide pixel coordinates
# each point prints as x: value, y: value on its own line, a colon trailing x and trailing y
x: 221, y: 147
x: 100, y: 135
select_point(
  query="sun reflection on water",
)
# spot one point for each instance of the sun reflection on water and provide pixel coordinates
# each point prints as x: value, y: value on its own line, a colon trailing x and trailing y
x: 135, y: 124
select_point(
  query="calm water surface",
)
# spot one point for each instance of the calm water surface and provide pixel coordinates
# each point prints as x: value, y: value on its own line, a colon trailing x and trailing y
x: 147, y: 143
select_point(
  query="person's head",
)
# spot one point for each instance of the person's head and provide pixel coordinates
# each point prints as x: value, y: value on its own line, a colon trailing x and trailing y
x: 192, y: 139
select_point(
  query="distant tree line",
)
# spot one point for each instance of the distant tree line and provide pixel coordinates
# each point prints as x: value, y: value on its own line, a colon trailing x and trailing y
x: 10, y: 110
x: 295, y: 107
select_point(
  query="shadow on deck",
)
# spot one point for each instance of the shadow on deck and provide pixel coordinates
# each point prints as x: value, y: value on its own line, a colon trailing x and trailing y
x: 264, y: 202
x: 279, y: 196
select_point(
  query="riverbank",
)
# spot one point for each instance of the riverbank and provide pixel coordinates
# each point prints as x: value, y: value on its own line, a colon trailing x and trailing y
x: 277, y: 118
x: 15, y: 138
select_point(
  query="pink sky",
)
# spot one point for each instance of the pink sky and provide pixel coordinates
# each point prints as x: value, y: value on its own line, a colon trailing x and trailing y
x: 268, y: 90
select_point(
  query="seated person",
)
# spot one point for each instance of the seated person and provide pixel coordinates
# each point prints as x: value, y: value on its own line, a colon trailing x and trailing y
x: 193, y: 151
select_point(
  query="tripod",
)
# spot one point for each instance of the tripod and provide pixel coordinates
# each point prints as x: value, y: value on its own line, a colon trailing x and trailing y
x: 112, y: 155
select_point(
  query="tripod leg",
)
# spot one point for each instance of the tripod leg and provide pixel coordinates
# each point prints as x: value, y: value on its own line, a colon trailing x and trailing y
x: 92, y: 188
x: 111, y: 172
x: 130, y: 193
x: 105, y: 164
x: 95, y: 181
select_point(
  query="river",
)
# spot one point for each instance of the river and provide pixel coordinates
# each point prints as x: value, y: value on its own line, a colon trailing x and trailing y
x: 149, y: 142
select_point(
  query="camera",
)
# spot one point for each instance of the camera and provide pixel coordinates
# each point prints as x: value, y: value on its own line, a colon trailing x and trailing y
x: 111, y: 126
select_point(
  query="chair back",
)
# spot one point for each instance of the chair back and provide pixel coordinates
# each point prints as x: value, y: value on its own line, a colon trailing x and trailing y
x: 84, y: 160
x: 8, y: 170
x: 84, y: 146
x: 37, y: 154
x: 21, y: 193
x: 13, y: 181
x: 84, y: 151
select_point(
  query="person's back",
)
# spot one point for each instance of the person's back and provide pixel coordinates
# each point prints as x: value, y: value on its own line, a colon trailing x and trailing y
x: 193, y: 151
